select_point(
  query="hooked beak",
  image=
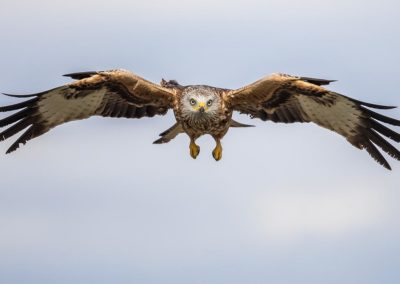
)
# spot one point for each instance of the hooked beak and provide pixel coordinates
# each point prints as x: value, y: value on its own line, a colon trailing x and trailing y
x: 202, y: 108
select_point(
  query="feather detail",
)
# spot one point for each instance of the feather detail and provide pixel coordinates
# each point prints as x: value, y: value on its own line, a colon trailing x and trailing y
x: 116, y: 93
x: 287, y: 99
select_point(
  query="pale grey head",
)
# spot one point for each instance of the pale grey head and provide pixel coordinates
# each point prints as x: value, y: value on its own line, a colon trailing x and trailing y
x: 200, y: 102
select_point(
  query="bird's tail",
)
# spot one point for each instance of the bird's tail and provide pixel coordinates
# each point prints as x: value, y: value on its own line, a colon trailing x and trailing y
x: 238, y: 124
x: 169, y: 134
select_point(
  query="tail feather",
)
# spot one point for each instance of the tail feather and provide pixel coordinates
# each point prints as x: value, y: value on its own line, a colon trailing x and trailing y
x: 169, y: 134
x: 238, y: 124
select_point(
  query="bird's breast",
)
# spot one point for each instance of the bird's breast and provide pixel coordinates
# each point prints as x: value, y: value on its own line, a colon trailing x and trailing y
x: 200, y: 125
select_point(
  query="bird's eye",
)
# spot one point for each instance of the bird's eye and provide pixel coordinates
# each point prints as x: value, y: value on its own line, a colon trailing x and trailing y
x: 192, y: 102
x: 209, y: 102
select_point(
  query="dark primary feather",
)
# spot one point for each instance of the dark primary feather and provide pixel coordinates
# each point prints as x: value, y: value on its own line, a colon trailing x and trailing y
x: 380, y: 117
x: 27, y: 116
x: 25, y: 112
x: 81, y: 75
x: 369, y: 104
x: 389, y: 133
x: 116, y: 93
x: 19, y: 105
x: 283, y: 98
x: 115, y: 106
x: 374, y: 152
x: 315, y: 81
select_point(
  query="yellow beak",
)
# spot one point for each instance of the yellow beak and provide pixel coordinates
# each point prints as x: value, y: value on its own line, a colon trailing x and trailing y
x: 201, y: 107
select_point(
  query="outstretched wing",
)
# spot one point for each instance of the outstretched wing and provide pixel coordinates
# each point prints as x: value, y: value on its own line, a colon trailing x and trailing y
x: 116, y: 93
x: 284, y: 98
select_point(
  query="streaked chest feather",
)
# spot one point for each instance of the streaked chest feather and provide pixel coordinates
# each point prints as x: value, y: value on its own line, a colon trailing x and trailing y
x: 207, y: 124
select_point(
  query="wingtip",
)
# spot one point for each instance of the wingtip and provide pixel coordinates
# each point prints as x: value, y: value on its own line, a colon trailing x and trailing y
x: 161, y: 140
x: 378, y: 106
x: 328, y: 81
x: 387, y: 166
x: 317, y: 81
x: 21, y: 96
x: 391, y: 107
x: 69, y: 75
x: 235, y: 123
x: 11, y: 149
x: 81, y: 75
x: 14, y: 96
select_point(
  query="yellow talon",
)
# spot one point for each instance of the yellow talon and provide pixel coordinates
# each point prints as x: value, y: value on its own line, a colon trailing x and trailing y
x: 217, y: 152
x: 194, y: 150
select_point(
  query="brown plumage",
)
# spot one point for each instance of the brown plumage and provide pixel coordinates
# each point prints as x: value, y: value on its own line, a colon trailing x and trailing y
x: 201, y: 109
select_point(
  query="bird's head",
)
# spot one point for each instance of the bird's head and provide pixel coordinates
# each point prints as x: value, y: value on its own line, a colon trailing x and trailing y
x: 200, y: 101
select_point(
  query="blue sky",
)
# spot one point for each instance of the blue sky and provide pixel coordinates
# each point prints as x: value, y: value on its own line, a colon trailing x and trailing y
x: 95, y: 201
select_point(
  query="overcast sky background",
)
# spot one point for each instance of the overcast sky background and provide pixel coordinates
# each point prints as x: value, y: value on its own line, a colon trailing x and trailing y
x: 95, y: 201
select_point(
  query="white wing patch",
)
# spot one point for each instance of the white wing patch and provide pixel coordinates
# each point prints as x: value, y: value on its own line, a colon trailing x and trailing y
x: 55, y: 108
x: 342, y: 116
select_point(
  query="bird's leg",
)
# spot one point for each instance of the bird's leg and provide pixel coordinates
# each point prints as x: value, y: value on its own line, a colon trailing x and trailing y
x: 194, y: 149
x: 217, y: 152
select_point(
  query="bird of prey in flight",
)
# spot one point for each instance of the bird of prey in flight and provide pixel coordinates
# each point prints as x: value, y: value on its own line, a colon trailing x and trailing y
x: 201, y: 109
